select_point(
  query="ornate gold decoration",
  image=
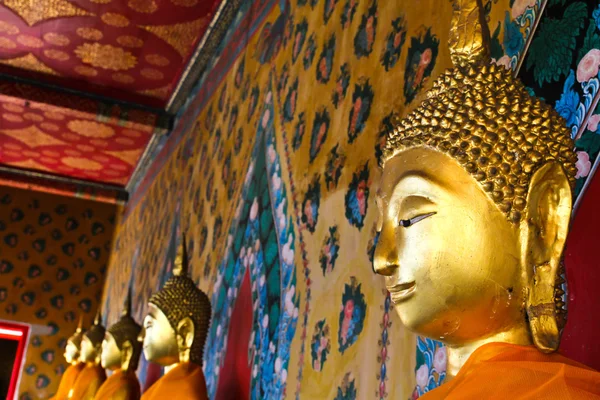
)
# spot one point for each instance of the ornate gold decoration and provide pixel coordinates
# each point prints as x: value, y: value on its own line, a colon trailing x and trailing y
x: 152, y: 74
x: 143, y: 6
x: 483, y: 154
x: 7, y: 27
x: 29, y: 62
x: 89, y: 33
x: 181, y: 36
x: 130, y: 41
x: 81, y: 163
x: 115, y: 19
x: 12, y: 117
x: 33, y: 117
x: 32, y: 12
x: 160, y: 93
x: 185, y: 3
x: 54, y: 115
x: 56, y: 39
x: 85, y: 70
x: 78, y: 335
x: 96, y: 332
x: 13, y: 107
x: 49, y: 126
x: 6, y: 43
x: 131, y: 157
x: 56, y: 54
x: 106, y: 56
x: 123, y: 78
x: 32, y: 135
x: 180, y: 298
x: 30, y: 41
x: 157, y: 59
x: 91, y: 129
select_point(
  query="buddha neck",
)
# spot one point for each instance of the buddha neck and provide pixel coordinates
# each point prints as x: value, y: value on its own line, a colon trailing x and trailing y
x: 170, y: 367
x: 458, y: 355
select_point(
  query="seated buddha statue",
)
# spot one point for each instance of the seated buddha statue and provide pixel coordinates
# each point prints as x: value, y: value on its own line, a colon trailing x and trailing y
x: 121, y: 353
x: 175, y: 331
x: 474, y: 201
x: 72, y: 354
x: 92, y: 376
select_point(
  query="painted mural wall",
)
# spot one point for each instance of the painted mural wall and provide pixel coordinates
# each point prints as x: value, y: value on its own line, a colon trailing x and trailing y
x: 271, y: 171
x: 53, y: 257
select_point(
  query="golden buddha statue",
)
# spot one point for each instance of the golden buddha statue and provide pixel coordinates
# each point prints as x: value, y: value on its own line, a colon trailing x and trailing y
x: 475, y: 200
x: 72, y: 352
x: 92, y: 375
x: 121, y: 353
x: 175, y: 331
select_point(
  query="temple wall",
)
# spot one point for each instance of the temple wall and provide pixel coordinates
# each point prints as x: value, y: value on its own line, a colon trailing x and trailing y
x: 53, y: 259
x: 272, y: 171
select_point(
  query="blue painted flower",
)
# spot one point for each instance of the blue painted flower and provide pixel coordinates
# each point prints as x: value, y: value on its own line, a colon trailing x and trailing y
x: 567, y: 105
x: 352, y: 315
x: 596, y: 16
x: 513, y: 38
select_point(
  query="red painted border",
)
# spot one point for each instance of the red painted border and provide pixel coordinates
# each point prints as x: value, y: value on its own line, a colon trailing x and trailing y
x: 20, y: 356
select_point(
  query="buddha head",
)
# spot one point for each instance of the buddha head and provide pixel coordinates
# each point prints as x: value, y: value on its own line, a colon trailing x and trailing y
x: 177, y: 322
x: 120, y: 347
x: 73, y: 347
x: 91, y: 342
x: 474, y: 201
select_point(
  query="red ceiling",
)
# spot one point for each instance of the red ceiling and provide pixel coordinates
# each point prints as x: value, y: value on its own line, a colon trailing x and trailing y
x: 67, y: 142
x: 134, y: 50
x: 130, y: 52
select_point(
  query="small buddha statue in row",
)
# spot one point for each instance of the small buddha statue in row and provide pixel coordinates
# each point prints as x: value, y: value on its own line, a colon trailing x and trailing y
x: 475, y: 200
x: 174, y: 334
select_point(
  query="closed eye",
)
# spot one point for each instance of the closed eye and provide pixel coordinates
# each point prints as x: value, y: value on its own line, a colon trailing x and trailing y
x: 405, y: 223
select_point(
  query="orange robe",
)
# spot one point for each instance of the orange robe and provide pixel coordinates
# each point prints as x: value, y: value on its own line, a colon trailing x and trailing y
x: 88, y: 382
x: 120, y: 386
x: 184, y: 382
x: 67, y: 381
x: 507, y: 371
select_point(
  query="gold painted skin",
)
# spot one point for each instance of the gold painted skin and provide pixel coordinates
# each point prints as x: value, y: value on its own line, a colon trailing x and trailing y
x: 475, y: 201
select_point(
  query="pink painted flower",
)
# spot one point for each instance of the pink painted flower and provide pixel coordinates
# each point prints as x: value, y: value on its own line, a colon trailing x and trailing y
x: 503, y: 61
x: 588, y: 66
x: 265, y: 119
x: 583, y: 164
x: 592, y: 124
x: 415, y: 395
x: 423, y: 376
x: 439, y: 360
x: 520, y: 6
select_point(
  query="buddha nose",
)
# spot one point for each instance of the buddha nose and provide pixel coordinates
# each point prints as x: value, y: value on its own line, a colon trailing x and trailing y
x: 385, y: 260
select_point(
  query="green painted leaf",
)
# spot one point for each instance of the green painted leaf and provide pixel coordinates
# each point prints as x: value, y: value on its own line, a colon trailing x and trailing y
x: 551, y: 51
x: 496, y: 49
x: 590, y: 143
x: 590, y: 41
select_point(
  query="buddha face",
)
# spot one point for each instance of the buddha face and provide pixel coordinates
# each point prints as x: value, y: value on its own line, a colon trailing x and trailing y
x: 160, y: 342
x: 451, y: 259
x: 111, y: 355
x: 71, y: 352
x: 88, y: 351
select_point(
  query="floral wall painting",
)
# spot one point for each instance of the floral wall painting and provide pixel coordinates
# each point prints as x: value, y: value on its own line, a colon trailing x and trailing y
x: 333, y: 167
x: 342, y: 82
x: 330, y: 250
x: 319, y: 132
x: 420, y: 61
x: 347, y: 390
x: 362, y: 98
x: 431, y: 365
x: 352, y: 314
x: 394, y: 43
x: 320, y: 345
x: 325, y: 63
x: 365, y: 36
x: 357, y: 197
x: 310, y: 205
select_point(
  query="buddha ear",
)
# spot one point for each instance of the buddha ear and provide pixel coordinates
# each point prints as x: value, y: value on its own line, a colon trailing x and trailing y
x: 185, y: 335
x: 545, y: 228
x: 126, y: 355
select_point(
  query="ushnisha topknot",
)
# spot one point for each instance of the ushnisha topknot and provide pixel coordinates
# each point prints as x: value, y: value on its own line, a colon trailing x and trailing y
x: 96, y: 332
x: 126, y: 329
x: 180, y: 298
x: 78, y: 335
x: 484, y: 118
